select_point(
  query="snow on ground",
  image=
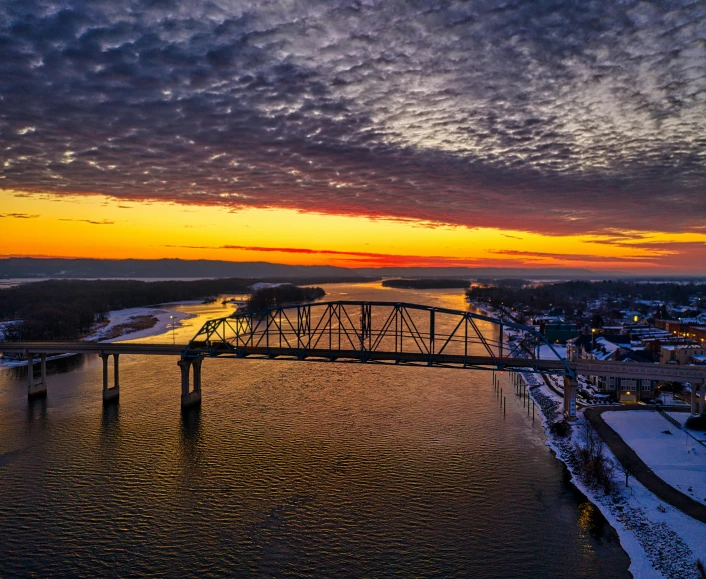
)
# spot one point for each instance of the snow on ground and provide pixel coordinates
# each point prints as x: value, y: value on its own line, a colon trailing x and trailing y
x: 681, y: 418
x: 164, y: 322
x: 545, y: 352
x: 676, y: 458
x: 4, y: 325
x: 661, y: 541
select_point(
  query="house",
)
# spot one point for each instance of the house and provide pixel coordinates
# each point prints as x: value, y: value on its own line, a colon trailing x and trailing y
x: 680, y: 353
x: 697, y: 333
x: 629, y: 389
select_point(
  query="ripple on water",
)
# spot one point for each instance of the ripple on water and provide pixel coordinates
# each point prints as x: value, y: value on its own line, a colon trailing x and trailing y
x: 289, y: 468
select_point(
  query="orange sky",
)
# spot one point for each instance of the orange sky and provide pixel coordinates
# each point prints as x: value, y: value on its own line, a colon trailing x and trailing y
x: 101, y: 227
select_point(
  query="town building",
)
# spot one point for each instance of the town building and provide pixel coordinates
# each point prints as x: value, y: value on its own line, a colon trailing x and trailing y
x: 680, y: 353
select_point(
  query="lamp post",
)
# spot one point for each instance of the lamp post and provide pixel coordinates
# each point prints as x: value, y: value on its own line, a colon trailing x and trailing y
x: 173, y: 338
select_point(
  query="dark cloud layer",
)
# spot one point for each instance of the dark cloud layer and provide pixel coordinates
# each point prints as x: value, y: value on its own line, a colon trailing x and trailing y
x: 555, y: 116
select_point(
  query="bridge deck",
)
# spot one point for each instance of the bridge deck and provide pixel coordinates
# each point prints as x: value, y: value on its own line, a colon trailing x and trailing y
x: 90, y: 348
x: 585, y: 367
x: 379, y: 356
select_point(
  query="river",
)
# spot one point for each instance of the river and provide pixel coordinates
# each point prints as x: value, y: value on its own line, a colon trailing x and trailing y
x: 299, y: 469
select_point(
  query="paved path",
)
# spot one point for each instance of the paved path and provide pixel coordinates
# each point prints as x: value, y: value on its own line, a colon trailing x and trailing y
x: 641, y: 471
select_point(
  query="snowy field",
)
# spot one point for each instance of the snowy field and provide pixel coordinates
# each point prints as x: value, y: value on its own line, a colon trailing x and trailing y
x: 676, y: 458
x: 546, y: 353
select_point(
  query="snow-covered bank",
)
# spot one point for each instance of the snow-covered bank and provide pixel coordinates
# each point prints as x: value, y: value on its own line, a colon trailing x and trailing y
x: 165, y: 319
x: 661, y: 541
x: 5, y: 326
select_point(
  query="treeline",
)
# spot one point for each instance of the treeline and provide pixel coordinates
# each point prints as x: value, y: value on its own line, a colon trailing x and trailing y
x: 576, y: 295
x: 505, y: 282
x: 66, y: 309
x: 269, y: 297
x: 428, y: 283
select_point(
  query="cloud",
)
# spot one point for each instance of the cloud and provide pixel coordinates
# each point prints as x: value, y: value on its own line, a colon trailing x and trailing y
x: 90, y: 221
x: 366, y: 258
x: 18, y: 216
x: 548, y: 117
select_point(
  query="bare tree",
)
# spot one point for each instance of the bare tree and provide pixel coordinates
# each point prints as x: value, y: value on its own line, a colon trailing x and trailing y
x: 627, y: 467
x: 595, y: 468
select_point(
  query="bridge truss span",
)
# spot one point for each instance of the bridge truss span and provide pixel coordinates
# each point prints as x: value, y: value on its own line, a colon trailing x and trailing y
x: 377, y: 331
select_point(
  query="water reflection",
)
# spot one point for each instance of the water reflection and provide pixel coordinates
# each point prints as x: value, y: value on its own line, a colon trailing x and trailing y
x: 37, y: 410
x: 190, y: 446
x: 110, y: 418
x: 591, y: 519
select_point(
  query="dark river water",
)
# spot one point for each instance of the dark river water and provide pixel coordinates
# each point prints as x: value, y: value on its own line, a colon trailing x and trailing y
x: 288, y: 469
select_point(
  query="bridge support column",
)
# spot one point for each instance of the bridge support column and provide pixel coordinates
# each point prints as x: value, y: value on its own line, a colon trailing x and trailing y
x: 38, y: 388
x: 190, y: 397
x: 570, y: 387
x: 110, y: 394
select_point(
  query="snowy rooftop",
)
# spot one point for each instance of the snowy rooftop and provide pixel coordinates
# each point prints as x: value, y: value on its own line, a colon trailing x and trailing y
x: 670, y: 347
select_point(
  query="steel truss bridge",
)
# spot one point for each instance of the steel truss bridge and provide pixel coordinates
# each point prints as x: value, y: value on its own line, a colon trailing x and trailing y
x: 377, y: 332
x: 371, y: 332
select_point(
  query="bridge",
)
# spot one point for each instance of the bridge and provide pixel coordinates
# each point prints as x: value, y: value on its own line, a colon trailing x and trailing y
x: 364, y: 332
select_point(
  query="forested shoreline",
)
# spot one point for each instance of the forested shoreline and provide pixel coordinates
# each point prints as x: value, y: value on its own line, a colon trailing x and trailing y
x: 282, y: 295
x: 577, y: 295
x: 67, y: 309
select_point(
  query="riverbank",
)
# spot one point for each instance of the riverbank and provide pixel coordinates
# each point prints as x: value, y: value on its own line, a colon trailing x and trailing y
x: 122, y: 324
x: 661, y: 541
x: 128, y: 324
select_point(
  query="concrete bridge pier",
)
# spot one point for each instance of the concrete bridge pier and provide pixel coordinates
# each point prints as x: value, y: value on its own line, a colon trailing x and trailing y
x: 111, y: 394
x: 570, y: 387
x: 698, y: 406
x: 38, y: 388
x: 190, y: 397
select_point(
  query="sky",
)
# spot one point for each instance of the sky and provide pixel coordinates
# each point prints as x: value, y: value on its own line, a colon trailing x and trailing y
x: 490, y: 133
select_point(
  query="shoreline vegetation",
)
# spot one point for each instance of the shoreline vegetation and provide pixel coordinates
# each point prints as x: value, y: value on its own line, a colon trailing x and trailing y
x: 281, y: 295
x: 70, y: 309
x: 426, y: 283
x: 578, y: 295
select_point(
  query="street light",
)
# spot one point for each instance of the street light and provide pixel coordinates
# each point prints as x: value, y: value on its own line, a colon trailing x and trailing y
x: 173, y: 338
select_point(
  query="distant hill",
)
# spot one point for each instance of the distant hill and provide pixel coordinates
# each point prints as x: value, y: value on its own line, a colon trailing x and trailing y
x: 37, y: 268
x: 26, y: 267
x: 475, y: 272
